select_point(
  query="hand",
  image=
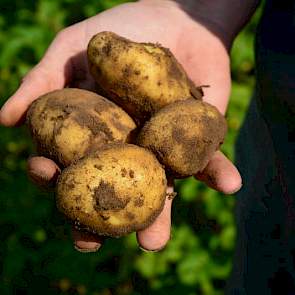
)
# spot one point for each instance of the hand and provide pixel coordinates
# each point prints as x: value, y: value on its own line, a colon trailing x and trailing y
x: 202, y: 53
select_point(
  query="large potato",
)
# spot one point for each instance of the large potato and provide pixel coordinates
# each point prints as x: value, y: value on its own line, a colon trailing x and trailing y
x: 140, y: 77
x: 184, y: 135
x: 67, y: 124
x: 114, y: 191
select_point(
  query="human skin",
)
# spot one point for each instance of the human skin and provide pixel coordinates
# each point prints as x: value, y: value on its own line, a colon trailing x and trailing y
x: 198, y: 36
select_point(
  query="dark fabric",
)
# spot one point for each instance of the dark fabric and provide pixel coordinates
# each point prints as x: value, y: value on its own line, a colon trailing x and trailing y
x: 263, y: 260
x: 265, y: 157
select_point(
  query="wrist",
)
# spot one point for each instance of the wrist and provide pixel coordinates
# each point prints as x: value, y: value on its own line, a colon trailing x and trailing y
x: 198, y: 13
x: 224, y: 18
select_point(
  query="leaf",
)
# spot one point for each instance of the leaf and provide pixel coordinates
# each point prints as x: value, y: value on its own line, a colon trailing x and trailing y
x: 191, y: 266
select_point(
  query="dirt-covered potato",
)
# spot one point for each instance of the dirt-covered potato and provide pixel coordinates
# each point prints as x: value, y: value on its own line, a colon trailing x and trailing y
x: 67, y: 124
x: 184, y: 135
x: 140, y: 77
x: 114, y: 191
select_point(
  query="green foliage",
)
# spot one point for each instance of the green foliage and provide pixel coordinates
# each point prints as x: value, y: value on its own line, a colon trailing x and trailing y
x: 36, y: 253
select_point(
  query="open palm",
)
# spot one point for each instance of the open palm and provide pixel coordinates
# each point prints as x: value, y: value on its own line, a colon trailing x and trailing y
x: 201, y: 52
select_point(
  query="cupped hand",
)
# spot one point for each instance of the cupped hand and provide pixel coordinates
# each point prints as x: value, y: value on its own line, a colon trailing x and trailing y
x: 203, y: 54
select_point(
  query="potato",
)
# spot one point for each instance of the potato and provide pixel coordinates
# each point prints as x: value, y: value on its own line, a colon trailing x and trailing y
x: 140, y: 77
x: 67, y: 124
x: 184, y: 135
x: 119, y: 189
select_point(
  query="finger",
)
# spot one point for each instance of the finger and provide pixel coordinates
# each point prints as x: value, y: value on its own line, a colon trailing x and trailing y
x: 156, y: 236
x: 221, y: 174
x: 42, y: 171
x: 86, y: 242
x: 52, y: 72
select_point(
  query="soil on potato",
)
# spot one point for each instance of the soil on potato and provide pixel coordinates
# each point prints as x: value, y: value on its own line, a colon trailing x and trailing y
x: 196, y: 150
x: 139, y: 201
x: 106, y: 198
x: 93, y: 124
x: 145, y: 108
x: 78, y: 110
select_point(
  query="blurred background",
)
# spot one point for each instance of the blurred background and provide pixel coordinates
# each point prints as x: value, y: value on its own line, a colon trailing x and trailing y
x: 36, y: 253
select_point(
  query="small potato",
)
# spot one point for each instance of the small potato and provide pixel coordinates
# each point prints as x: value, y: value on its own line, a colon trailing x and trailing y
x: 67, y: 124
x: 184, y: 135
x: 140, y: 77
x: 114, y: 191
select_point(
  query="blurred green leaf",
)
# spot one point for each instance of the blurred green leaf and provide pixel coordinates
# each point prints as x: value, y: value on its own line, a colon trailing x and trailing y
x: 188, y: 189
x: 227, y: 237
x: 39, y: 235
x: 192, y: 267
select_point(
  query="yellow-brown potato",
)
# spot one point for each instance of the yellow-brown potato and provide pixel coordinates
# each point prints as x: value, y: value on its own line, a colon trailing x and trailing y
x: 184, y: 135
x: 67, y: 124
x: 114, y: 191
x: 140, y: 77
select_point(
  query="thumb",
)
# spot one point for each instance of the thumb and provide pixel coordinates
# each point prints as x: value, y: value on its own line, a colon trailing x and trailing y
x: 214, y: 70
x: 51, y: 73
x: 221, y: 175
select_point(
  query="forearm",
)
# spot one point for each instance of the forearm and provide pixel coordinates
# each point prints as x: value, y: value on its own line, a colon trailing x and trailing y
x: 225, y: 17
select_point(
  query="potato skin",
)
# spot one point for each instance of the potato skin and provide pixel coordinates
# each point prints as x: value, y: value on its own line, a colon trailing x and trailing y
x: 140, y: 77
x: 114, y: 191
x: 69, y: 123
x: 184, y: 135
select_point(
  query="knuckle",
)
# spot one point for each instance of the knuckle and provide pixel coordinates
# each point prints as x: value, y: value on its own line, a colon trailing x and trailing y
x: 26, y: 77
x: 31, y: 74
x: 61, y: 36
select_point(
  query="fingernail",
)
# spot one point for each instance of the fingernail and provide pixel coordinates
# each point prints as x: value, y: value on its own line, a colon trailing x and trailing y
x: 235, y: 191
x: 150, y: 251
x: 43, y: 180
x: 38, y: 177
x: 86, y: 250
x: 40, y: 180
